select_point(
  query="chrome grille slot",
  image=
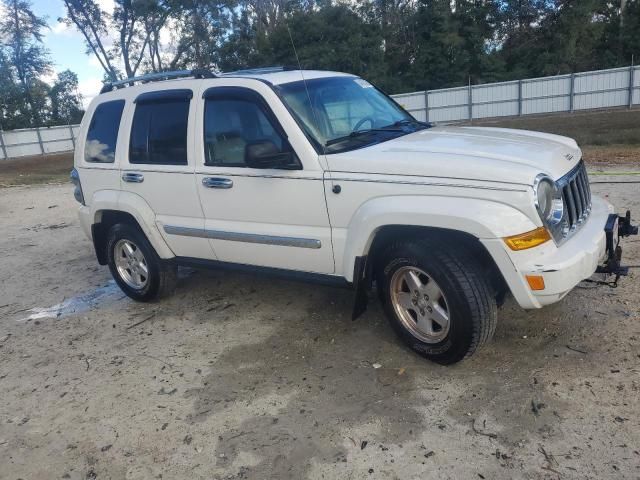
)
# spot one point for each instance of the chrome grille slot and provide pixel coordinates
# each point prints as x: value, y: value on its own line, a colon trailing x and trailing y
x: 577, y: 195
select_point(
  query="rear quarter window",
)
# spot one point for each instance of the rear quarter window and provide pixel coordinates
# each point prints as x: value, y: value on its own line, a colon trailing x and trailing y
x: 102, y: 135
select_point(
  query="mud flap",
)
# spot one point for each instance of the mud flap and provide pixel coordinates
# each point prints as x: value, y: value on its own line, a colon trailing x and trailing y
x: 361, y: 286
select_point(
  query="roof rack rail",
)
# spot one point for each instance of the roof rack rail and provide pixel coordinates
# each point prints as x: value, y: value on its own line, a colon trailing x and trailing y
x: 158, y: 76
x: 260, y: 70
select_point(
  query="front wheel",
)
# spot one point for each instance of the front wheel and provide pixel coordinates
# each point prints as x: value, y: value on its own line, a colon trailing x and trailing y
x: 439, y: 302
x: 136, y: 267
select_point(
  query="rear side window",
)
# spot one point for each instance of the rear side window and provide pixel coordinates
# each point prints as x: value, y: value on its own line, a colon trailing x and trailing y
x: 159, y: 131
x: 102, y: 135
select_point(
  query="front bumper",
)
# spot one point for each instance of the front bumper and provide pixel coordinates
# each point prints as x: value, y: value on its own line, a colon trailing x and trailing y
x: 561, y: 267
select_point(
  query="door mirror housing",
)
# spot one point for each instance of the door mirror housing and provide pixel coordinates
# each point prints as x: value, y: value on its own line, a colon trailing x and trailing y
x: 265, y: 154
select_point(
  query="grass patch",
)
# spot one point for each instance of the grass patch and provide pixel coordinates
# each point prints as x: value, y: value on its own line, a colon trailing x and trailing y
x: 36, y: 169
x: 619, y: 127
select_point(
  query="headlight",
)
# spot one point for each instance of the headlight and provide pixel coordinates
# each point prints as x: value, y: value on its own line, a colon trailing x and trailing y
x: 548, y: 200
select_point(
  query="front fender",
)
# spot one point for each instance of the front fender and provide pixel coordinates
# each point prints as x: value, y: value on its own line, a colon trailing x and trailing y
x: 481, y: 218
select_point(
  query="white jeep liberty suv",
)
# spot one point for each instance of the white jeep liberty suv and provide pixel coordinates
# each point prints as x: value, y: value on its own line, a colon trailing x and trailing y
x: 321, y: 175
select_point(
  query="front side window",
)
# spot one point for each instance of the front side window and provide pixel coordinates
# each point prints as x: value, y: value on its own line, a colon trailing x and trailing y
x: 102, y: 135
x: 344, y: 113
x: 159, y: 131
x: 237, y: 125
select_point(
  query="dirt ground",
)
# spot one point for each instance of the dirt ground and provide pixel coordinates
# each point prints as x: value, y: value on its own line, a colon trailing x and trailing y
x: 239, y: 376
x: 36, y: 169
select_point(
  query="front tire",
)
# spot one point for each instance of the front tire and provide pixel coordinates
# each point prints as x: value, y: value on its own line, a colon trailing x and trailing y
x: 136, y: 267
x: 439, y: 302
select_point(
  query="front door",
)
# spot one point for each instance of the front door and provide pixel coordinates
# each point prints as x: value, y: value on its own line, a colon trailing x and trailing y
x: 273, y: 217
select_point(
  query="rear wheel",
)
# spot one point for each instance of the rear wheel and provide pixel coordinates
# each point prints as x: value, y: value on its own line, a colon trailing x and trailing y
x: 439, y: 302
x: 136, y: 267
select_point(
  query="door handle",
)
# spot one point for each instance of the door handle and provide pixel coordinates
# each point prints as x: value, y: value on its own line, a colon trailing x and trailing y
x: 216, y: 182
x: 133, y: 177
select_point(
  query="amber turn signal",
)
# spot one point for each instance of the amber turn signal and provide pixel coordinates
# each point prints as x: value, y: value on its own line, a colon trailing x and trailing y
x: 526, y: 240
x: 536, y: 282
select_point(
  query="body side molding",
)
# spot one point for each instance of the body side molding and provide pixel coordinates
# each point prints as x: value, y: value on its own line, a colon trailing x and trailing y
x: 243, y: 237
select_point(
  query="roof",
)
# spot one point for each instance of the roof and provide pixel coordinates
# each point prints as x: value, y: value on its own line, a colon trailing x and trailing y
x: 286, y: 76
x: 273, y: 75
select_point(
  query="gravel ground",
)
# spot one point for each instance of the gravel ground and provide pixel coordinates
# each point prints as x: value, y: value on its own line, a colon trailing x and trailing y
x: 238, y: 376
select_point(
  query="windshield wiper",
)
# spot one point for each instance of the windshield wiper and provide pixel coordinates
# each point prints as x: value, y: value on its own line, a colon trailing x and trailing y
x: 359, y: 133
x: 409, y: 121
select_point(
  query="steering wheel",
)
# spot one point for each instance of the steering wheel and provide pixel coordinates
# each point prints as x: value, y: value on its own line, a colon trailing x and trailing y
x: 362, y: 121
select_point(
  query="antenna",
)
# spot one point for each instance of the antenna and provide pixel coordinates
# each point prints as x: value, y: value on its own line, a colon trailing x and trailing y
x: 313, y: 110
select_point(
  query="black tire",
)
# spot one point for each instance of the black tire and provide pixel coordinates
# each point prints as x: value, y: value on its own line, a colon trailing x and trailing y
x: 162, y: 274
x: 471, y: 305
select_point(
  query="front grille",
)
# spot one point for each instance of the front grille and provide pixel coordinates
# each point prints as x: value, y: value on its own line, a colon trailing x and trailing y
x: 577, y: 195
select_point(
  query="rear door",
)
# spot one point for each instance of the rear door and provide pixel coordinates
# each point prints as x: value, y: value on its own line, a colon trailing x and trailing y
x: 159, y: 165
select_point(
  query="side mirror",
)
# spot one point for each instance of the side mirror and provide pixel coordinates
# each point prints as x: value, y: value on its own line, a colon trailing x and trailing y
x: 265, y: 154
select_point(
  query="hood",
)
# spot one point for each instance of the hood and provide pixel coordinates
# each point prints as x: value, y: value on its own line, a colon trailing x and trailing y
x: 477, y: 153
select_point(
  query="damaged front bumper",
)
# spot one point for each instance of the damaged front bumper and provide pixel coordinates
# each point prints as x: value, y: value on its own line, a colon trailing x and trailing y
x: 592, y: 249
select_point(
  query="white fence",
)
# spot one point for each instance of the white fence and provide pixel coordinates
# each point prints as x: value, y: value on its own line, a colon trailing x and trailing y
x: 617, y: 87
x: 37, y: 141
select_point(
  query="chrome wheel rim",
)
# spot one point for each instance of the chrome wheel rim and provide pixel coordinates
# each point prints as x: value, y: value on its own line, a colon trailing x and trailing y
x: 131, y: 264
x: 420, y: 305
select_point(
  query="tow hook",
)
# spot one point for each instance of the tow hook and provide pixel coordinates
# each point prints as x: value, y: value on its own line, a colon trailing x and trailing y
x: 616, y: 228
x: 625, y: 227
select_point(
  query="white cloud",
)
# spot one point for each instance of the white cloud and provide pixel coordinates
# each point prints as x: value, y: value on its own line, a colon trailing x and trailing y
x: 106, y: 5
x: 94, y: 62
x: 60, y: 28
x: 49, y: 78
x: 89, y: 88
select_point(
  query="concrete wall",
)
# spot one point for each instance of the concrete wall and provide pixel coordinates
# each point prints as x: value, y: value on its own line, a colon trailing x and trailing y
x: 37, y: 141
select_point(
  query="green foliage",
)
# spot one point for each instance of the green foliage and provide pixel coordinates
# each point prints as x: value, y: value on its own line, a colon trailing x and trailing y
x: 25, y: 99
x: 400, y: 45
x: 404, y: 45
x: 66, y: 102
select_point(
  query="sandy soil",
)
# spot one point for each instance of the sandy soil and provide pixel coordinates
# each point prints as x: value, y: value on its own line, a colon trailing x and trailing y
x: 238, y: 376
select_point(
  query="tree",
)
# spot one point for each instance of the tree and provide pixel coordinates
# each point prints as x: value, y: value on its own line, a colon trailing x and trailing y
x: 331, y: 38
x: 21, y: 33
x: 136, y: 27
x: 199, y: 30
x: 66, y: 102
x: 12, y: 112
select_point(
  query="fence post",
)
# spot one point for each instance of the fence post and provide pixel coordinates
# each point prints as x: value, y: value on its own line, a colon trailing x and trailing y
x: 40, y: 141
x: 519, y: 98
x: 73, y: 140
x: 426, y: 106
x: 470, y: 95
x: 632, y: 82
x: 572, y: 91
x: 3, y: 146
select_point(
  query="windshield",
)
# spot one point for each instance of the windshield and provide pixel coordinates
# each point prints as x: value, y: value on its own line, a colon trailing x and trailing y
x: 348, y: 113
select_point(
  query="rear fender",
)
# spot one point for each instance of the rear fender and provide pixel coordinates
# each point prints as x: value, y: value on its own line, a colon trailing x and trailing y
x: 135, y: 206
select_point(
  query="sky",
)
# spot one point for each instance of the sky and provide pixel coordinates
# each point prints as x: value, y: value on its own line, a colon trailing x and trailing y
x: 67, y: 48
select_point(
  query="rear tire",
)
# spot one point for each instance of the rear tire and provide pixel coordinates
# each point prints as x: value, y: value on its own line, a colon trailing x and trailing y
x: 439, y: 302
x: 136, y: 267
